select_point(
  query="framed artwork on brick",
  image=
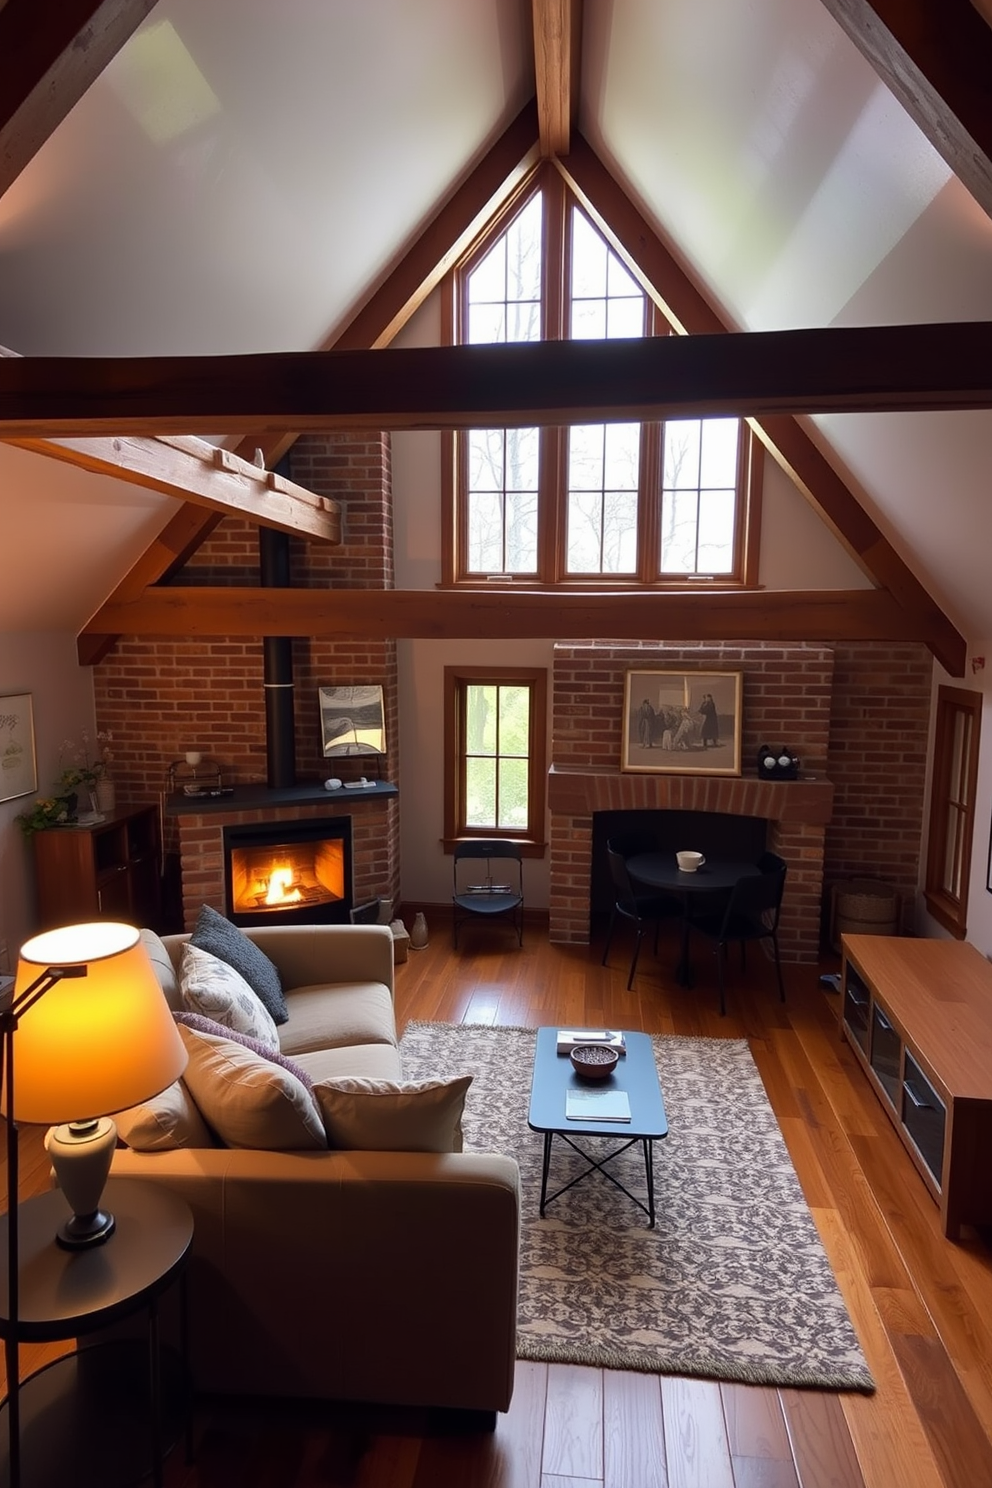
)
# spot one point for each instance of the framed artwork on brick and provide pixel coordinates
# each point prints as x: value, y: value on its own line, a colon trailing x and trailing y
x: 352, y: 721
x: 18, y: 771
x: 682, y: 723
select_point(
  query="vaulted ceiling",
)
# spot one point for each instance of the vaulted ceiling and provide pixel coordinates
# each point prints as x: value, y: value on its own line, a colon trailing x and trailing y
x: 238, y: 177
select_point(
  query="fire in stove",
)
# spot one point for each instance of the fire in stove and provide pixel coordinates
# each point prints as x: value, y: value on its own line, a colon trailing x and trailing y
x: 305, y: 873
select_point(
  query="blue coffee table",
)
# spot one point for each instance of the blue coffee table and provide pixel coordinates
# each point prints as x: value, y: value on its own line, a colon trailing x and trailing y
x: 636, y: 1073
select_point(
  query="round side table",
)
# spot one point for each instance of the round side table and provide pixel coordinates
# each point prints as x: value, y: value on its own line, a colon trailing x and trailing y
x: 104, y: 1413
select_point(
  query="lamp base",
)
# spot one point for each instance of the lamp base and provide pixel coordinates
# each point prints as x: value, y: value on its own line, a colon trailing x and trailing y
x: 81, y: 1153
x: 84, y: 1230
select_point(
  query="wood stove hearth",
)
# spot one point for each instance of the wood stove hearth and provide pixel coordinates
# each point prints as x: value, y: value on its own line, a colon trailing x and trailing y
x: 289, y: 872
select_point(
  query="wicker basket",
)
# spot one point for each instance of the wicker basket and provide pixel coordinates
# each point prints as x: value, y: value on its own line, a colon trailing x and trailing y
x: 863, y: 906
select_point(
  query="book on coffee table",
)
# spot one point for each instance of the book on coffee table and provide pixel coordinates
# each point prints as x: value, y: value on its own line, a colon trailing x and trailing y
x: 573, y: 1038
x: 597, y: 1105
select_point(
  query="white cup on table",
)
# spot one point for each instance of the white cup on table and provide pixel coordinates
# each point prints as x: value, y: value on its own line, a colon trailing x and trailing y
x: 689, y: 861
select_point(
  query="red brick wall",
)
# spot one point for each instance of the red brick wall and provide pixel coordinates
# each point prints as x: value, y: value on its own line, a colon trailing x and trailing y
x: 878, y: 760
x: 161, y: 697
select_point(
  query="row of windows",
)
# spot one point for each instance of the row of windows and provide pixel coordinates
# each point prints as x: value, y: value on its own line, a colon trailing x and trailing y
x: 625, y: 502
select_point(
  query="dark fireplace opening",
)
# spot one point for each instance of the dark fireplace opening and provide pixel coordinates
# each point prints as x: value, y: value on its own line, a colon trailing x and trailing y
x: 289, y: 873
x: 716, y: 833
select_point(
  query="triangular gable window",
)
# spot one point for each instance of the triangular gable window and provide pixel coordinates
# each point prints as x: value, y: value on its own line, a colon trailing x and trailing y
x: 626, y: 504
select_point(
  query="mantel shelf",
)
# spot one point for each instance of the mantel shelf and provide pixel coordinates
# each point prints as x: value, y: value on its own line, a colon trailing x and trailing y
x: 579, y: 791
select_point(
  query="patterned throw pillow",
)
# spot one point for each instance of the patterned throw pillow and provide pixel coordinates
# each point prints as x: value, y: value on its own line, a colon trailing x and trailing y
x: 218, y: 936
x: 212, y: 987
x: 200, y: 1024
x: 247, y: 1100
x: 393, y: 1115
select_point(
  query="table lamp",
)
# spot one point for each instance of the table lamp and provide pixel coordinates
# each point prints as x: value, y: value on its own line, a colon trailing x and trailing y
x: 88, y: 1032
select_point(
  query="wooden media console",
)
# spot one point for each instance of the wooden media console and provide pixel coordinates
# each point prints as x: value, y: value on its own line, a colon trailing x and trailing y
x: 918, y: 1015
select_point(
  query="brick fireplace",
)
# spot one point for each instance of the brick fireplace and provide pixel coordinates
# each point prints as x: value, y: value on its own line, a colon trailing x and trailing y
x: 202, y: 823
x: 786, y: 699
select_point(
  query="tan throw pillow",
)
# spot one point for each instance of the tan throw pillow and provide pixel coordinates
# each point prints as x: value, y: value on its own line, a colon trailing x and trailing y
x: 165, y: 1122
x: 248, y: 1100
x: 393, y: 1115
x: 215, y: 990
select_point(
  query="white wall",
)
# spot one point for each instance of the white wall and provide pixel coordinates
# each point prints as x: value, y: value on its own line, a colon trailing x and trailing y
x: 43, y: 664
x: 977, y: 678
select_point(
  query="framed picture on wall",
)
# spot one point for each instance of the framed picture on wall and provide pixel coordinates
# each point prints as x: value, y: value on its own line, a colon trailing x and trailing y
x: 18, y: 771
x: 352, y: 721
x: 682, y: 723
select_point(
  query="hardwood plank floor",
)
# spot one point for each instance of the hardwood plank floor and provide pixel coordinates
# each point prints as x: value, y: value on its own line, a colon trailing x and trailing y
x: 922, y: 1306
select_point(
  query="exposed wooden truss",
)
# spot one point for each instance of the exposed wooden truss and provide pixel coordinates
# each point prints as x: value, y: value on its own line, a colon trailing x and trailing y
x: 864, y: 369
x: 193, y: 470
x: 421, y: 267
x: 936, y: 57
x: 557, y: 70
x: 50, y: 53
x: 831, y: 614
x: 687, y: 309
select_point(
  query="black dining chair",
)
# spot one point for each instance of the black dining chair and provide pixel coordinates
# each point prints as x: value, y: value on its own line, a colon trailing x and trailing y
x: 751, y: 913
x: 490, y: 899
x: 641, y: 909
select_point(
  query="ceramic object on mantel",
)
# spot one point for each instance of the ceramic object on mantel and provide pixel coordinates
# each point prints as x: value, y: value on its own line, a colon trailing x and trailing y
x: 418, y: 932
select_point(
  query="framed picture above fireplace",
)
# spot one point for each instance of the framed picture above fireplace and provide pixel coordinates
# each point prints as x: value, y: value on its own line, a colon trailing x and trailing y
x: 682, y: 723
x: 352, y: 721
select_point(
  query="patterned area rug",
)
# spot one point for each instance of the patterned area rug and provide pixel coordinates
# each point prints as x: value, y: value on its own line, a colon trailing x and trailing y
x: 732, y: 1283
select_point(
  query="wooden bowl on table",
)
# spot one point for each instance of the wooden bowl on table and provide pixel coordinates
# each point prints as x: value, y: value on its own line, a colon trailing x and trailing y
x: 594, y: 1061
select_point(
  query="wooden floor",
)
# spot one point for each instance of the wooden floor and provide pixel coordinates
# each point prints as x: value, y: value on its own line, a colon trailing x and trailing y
x: 922, y: 1306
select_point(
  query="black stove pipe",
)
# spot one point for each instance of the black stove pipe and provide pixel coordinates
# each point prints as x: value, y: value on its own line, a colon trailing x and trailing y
x: 280, y: 726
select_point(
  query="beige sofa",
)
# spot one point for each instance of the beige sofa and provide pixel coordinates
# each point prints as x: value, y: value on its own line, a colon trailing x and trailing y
x: 347, y: 1275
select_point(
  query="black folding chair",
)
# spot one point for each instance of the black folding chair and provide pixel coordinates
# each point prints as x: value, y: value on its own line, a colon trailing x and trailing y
x: 641, y: 909
x: 487, y: 898
x: 751, y: 913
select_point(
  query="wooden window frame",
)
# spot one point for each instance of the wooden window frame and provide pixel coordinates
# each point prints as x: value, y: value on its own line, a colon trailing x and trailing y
x: 456, y: 678
x: 552, y: 555
x: 951, y: 910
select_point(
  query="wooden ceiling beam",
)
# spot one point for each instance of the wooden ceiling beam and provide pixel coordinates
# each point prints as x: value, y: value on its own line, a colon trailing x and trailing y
x: 687, y: 308
x: 866, y: 369
x: 557, y: 70
x: 194, y: 471
x: 935, y: 56
x: 50, y: 53
x: 833, y: 614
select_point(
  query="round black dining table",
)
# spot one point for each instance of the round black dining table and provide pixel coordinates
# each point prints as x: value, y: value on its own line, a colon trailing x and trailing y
x: 660, y: 870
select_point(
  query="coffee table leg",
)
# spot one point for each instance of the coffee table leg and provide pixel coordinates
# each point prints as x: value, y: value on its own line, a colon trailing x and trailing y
x: 649, y: 1175
x: 546, y: 1169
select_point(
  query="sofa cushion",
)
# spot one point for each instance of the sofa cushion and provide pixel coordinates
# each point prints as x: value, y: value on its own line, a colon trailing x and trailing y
x: 213, y: 988
x: 213, y: 933
x: 201, y: 1024
x: 169, y: 1120
x: 362, y: 1061
x: 393, y: 1115
x: 331, y: 1016
x: 248, y: 1100
x: 158, y: 954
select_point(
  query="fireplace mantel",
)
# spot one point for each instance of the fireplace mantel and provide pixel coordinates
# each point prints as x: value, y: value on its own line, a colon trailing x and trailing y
x: 576, y: 791
x: 264, y: 798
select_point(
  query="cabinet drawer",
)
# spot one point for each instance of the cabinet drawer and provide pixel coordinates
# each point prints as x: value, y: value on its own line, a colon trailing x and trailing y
x: 856, y: 1006
x: 924, y: 1117
x: 886, y: 1052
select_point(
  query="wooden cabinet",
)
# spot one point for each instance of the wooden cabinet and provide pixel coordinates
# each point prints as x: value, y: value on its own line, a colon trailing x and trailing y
x: 918, y: 1015
x: 108, y: 871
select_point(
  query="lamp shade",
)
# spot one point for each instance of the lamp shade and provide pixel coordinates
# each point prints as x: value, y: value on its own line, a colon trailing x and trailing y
x: 94, y: 1043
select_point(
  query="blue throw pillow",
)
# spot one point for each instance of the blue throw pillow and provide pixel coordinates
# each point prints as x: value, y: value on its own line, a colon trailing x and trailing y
x: 225, y: 941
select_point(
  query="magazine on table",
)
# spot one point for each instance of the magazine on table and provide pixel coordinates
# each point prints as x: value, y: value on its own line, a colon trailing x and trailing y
x: 574, y: 1038
x: 597, y: 1105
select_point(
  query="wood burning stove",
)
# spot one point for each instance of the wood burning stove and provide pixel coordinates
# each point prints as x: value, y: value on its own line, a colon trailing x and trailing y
x: 289, y: 872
